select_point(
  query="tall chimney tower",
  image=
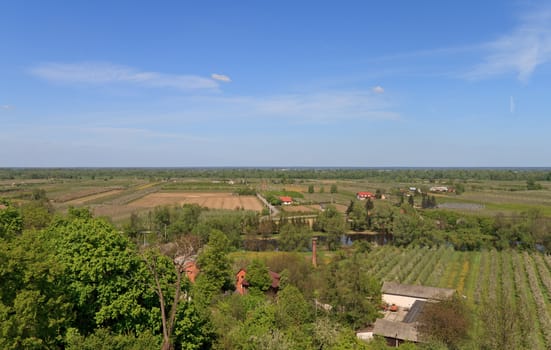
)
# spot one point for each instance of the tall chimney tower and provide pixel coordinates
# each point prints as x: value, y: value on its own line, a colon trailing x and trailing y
x: 314, y: 252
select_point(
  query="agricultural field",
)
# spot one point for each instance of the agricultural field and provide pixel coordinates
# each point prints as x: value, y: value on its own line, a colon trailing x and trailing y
x: 211, y: 200
x: 314, y: 208
x: 508, y: 291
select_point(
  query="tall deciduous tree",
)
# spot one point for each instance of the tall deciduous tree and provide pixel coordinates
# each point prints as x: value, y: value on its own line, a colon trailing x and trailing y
x: 216, y: 273
x: 103, y: 275
x: 168, y: 282
x: 446, y: 321
x: 353, y: 293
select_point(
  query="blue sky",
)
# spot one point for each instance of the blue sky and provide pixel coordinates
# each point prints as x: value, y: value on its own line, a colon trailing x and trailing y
x: 275, y: 83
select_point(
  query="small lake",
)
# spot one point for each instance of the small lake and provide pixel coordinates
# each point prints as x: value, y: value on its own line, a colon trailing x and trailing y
x: 270, y: 244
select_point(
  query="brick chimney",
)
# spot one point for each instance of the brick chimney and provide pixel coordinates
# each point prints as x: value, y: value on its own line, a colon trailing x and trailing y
x: 314, y: 252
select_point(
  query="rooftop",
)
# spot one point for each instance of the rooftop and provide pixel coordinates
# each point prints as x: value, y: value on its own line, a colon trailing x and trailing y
x: 392, y: 329
x: 416, y: 291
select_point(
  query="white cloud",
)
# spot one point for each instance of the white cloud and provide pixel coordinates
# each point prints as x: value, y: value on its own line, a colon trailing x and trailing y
x: 378, y: 89
x: 521, y: 51
x: 221, y: 77
x: 105, y: 73
x: 7, y: 107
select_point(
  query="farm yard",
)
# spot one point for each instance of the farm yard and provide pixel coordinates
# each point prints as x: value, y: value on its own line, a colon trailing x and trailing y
x: 508, y: 287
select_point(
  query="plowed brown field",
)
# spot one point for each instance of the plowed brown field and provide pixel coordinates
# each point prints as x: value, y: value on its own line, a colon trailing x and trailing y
x: 209, y: 200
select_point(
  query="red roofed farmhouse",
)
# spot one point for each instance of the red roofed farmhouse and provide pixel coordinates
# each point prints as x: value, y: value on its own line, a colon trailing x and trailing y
x: 363, y: 195
x: 285, y: 200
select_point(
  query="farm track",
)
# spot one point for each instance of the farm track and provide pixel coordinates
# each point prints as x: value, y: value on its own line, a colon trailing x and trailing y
x: 94, y: 197
x: 83, y: 195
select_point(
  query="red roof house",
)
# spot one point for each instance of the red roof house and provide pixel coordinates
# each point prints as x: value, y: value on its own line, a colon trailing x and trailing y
x: 285, y: 200
x: 241, y: 284
x: 363, y: 195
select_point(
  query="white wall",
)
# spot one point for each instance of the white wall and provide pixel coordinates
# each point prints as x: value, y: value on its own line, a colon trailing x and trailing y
x: 364, y: 335
x: 399, y: 300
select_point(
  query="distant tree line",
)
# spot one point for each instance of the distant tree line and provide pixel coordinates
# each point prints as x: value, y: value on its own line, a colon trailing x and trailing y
x: 284, y: 175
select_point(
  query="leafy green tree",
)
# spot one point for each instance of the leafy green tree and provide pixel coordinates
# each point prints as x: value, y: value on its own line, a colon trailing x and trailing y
x: 216, y: 274
x: 382, y: 219
x: 134, y: 226
x: 459, y: 188
x: 104, y: 277
x: 39, y: 194
x: 298, y: 271
x: 184, y: 220
x: 369, y: 205
x: 11, y: 222
x: 358, y: 216
x: 103, y: 339
x: 161, y: 220
x: 447, y: 321
x: 193, y: 331
x: 37, y: 212
x: 408, y: 228
x: 332, y: 222
x: 322, y: 189
x: 325, y: 333
x: 334, y: 188
x: 352, y: 291
x: 232, y: 223
x: 258, y: 277
x: 432, y: 202
x: 532, y: 185
x: 350, y: 207
x: 294, y: 237
x: 34, y: 306
x: 36, y: 215
x: 292, y: 310
x: 293, y: 316
x: 310, y: 188
x: 79, y: 213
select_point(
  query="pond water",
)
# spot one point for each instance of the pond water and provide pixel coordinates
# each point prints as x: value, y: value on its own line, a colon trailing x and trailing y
x: 270, y: 244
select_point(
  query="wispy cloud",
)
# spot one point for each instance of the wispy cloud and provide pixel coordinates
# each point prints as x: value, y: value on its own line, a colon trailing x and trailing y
x: 220, y: 77
x: 106, y: 73
x: 521, y: 51
x: 378, y: 89
x: 7, y: 107
x: 127, y: 132
x: 329, y: 106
